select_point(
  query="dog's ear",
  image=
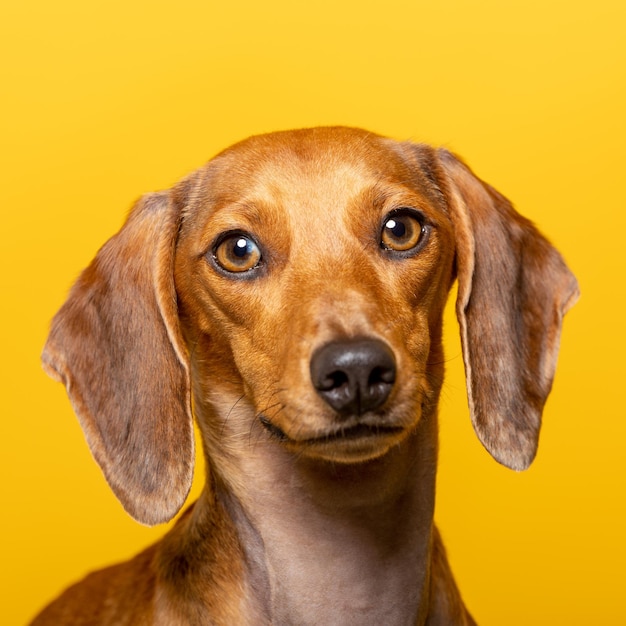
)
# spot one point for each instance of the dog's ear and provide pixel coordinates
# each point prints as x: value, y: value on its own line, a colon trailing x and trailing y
x: 117, y: 347
x: 513, y: 291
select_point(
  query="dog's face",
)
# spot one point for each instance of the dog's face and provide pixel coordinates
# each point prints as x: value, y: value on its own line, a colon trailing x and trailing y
x: 302, y: 252
x: 295, y: 287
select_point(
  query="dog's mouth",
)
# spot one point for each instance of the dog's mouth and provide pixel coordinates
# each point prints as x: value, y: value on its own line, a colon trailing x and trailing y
x: 358, y: 431
x: 348, y: 440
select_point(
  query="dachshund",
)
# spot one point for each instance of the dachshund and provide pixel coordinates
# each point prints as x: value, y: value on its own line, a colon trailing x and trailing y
x: 288, y: 297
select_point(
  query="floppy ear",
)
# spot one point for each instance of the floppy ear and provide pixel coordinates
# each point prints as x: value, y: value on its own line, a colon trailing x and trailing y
x: 116, y: 346
x: 513, y: 291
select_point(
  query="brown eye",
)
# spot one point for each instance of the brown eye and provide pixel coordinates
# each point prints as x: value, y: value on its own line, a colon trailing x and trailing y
x: 237, y: 253
x: 402, y: 231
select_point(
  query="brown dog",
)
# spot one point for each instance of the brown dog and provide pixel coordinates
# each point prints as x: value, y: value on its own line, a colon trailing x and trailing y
x: 290, y: 296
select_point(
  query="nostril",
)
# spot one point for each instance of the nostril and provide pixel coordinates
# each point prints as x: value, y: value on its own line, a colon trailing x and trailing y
x: 385, y: 375
x: 334, y: 380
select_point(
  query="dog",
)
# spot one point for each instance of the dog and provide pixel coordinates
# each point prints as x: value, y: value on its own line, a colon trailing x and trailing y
x: 289, y: 296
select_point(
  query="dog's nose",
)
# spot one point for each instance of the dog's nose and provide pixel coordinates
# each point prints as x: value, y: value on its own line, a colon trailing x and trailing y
x: 354, y: 376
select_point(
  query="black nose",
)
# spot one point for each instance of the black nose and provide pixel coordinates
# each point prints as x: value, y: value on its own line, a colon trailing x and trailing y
x: 354, y: 376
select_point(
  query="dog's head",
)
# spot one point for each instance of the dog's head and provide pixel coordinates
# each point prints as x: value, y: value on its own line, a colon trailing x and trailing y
x: 294, y: 286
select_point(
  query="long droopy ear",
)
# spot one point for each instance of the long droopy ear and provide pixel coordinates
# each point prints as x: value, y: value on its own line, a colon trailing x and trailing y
x: 117, y: 347
x: 513, y: 291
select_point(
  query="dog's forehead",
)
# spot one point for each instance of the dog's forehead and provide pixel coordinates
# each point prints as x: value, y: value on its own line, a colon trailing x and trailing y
x: 314, y: 180
x: 290, y: 161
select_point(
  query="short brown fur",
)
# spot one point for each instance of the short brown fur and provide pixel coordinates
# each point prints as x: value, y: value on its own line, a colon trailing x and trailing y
x: 312, y: 513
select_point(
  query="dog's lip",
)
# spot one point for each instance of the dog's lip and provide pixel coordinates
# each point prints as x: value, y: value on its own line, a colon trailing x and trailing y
x: 273, y: 429
x: 357, y: 431
x: 352, y: 432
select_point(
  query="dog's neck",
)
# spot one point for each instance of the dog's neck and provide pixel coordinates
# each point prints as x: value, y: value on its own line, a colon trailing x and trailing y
x: 334, y: 544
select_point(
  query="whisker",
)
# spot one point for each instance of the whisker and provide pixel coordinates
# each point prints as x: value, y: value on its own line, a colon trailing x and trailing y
x: 232, y: 408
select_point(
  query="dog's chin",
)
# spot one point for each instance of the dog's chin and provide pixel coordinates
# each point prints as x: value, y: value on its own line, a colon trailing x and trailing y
x: 354, y: 444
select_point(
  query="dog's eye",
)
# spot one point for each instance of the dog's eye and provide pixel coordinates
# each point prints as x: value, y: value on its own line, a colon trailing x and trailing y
x: 237, y: 253
x: 403, y: 231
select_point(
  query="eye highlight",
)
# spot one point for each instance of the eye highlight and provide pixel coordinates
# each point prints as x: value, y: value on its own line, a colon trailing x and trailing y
x: 403, y: 231
x: 236, y: 253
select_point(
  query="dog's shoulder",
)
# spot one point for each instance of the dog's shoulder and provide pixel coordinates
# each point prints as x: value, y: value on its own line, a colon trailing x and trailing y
x: 121, y: 594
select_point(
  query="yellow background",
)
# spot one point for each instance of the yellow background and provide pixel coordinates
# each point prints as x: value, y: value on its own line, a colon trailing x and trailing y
x: 102, y: 101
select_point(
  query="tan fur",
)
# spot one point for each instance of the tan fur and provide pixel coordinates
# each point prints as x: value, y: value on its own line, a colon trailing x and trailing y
x: 311, y: 514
